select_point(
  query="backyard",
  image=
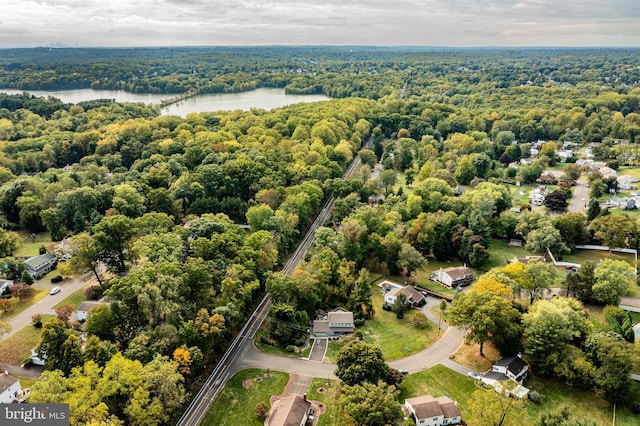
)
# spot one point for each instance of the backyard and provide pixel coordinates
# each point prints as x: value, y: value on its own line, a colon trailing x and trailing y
x: 17, y: 347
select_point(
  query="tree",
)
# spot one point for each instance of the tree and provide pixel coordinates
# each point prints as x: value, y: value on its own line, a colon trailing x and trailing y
x: 614, y: 230
x: 465, y: 171
x: 26, y: 278
x: 556, y: 201
x: 100, y: 323
x: 489, y: 408
x: 360, y: 298
x: 594, y: 209
x: 572, y: 171
x: 261, y: 410
x: 542, y: 277
x: 84, y: 256
x: 487, y: 317
x: 613, y: 279
x: 548, y: 326
x: 59, y: 346
x: 410, y: 259
x: 5, y: 327
x: 112, y: 240
x: 358, y: 362
x: 546, y: 237
x: 400, y: 305
x: 64, y: 312
x: 369, y: 404
x: 573, y: 228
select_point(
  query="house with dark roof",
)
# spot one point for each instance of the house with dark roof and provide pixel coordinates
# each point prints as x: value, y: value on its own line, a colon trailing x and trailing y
x: 10, y: 389
x: 38, y: 266
x: 414, y: 297
x: 453, y: 277
x: 338, y: 322
x: 429, y: 411
x: 509, y: 368
x: 291, y: 410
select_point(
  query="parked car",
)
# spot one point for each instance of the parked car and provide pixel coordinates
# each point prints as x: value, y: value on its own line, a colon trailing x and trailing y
x: 403, y: 372
x: 55, y: 290
x: 473, y: 375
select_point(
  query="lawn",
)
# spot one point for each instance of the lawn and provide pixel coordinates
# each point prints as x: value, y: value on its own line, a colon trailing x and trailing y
x: 74, y: 299
x: 397, y: 338
x: 235, y: 404
x: 581, y: 256
x: 275, y: 350
x: 469, y: 356
x: 22, y: 305
x: 438, y: 381
x: 26, y: 246
x: 17, y: 347
x: 329, y: 398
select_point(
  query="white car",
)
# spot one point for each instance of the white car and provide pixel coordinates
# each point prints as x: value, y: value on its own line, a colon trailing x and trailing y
x: 473, y: 375
x: 55, y: 290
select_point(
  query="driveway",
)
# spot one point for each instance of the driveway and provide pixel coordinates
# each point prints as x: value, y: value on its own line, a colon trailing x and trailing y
x: 318, y: 350
x: 580, y: 199
x: 46, y: 304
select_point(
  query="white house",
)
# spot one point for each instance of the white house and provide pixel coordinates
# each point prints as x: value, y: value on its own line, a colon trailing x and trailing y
x: 85, y: 307
x: 5, y: 284
x: 627, y: 182
x: 429, y: 411
x: 10, y: 389
x: 565, y: 154
x: 453, y: 277
x: 507, y: 369
x: 414, y: 297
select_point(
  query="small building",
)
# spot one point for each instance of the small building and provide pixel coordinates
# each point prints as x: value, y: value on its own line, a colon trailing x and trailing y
x: 414, y: 297
x: 291, y: 410
x: 10, y: 389
x: 85, y: 307
x: 4, y: 285
x: 527, y: 259
x: 38, y: 266
x: 338, y: 322
x: 453, y: 277
x: 429, y: 411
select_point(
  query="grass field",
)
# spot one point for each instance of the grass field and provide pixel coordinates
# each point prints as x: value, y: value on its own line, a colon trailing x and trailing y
x: 469, y: 356
x: 27, y: 246
x: 17, y: 347
x: 397, y: 338
x: 74, y: 299
x: 235, y: 405
x: 329, y: 398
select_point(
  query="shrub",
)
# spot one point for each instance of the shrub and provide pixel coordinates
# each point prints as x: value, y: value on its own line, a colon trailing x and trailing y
x: 534, y: 396
x: 94, y: 292
x: 36, y: 318
x: 56, y: 279
x: 290, y: 348
x: 27, y: 278
x: 359, y: 322
x: 42, y: 250
x: 635, y: 407
x: 261, y: 410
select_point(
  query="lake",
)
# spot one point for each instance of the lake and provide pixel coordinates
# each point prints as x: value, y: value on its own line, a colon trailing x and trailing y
x: 263, y: 98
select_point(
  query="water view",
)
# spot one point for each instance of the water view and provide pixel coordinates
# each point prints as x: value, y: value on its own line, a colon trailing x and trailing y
x: 263, y: 98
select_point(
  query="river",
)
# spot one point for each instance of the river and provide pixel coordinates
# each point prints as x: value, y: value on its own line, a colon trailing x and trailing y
x: 263, y: 98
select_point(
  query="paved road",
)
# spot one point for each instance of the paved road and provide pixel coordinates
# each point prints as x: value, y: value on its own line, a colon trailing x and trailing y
x: 580, y: 197
x: 47, y: 303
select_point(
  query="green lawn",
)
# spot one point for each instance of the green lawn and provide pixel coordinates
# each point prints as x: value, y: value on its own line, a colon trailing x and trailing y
x: 329, y: 398
x: 235, y: 404
x: 22, y: 305
x: 17, y: 347
x: 74, y: 299
x: 30, y: 247
x: 500, y: 251
x: 438, y: 381
x: 581, y: 256
x: 397, y: 338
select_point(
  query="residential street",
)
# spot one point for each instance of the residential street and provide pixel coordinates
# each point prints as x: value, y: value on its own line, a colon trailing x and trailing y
x: 46, y: 304
x: 580, y: 197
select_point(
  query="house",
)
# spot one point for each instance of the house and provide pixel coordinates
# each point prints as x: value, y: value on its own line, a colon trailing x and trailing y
x: 526, y: 161
x: 453, y: 277
x: 429, y: 411
x: 565, y: 154
x: 38, y: 266
x: 291, y: 410
x: 338, y: 322
x: 414, y: 297
x: 607, y: 172
x: 5, y: 285
x: 508, y: 368
x: 10, y: 389
x: 627, y: 182
x: 85, y: 307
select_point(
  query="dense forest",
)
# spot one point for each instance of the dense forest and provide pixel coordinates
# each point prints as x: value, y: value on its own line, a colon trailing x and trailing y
x: 192, y: 217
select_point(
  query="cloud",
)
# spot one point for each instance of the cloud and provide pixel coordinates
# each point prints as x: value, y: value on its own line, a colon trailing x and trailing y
x: 375, y: 22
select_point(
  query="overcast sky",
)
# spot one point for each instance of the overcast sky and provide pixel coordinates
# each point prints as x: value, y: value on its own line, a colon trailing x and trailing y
x: 26, y: 23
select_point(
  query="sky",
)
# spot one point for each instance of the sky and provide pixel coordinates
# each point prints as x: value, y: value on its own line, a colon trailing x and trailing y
x: 29, y: 23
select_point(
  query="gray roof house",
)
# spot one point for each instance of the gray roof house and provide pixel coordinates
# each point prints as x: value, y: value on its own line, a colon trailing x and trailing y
x: 38, y: 266
x: 85, y: 307
x: 414, y: 297
x: 338, y: 322
x: 10, y: 389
